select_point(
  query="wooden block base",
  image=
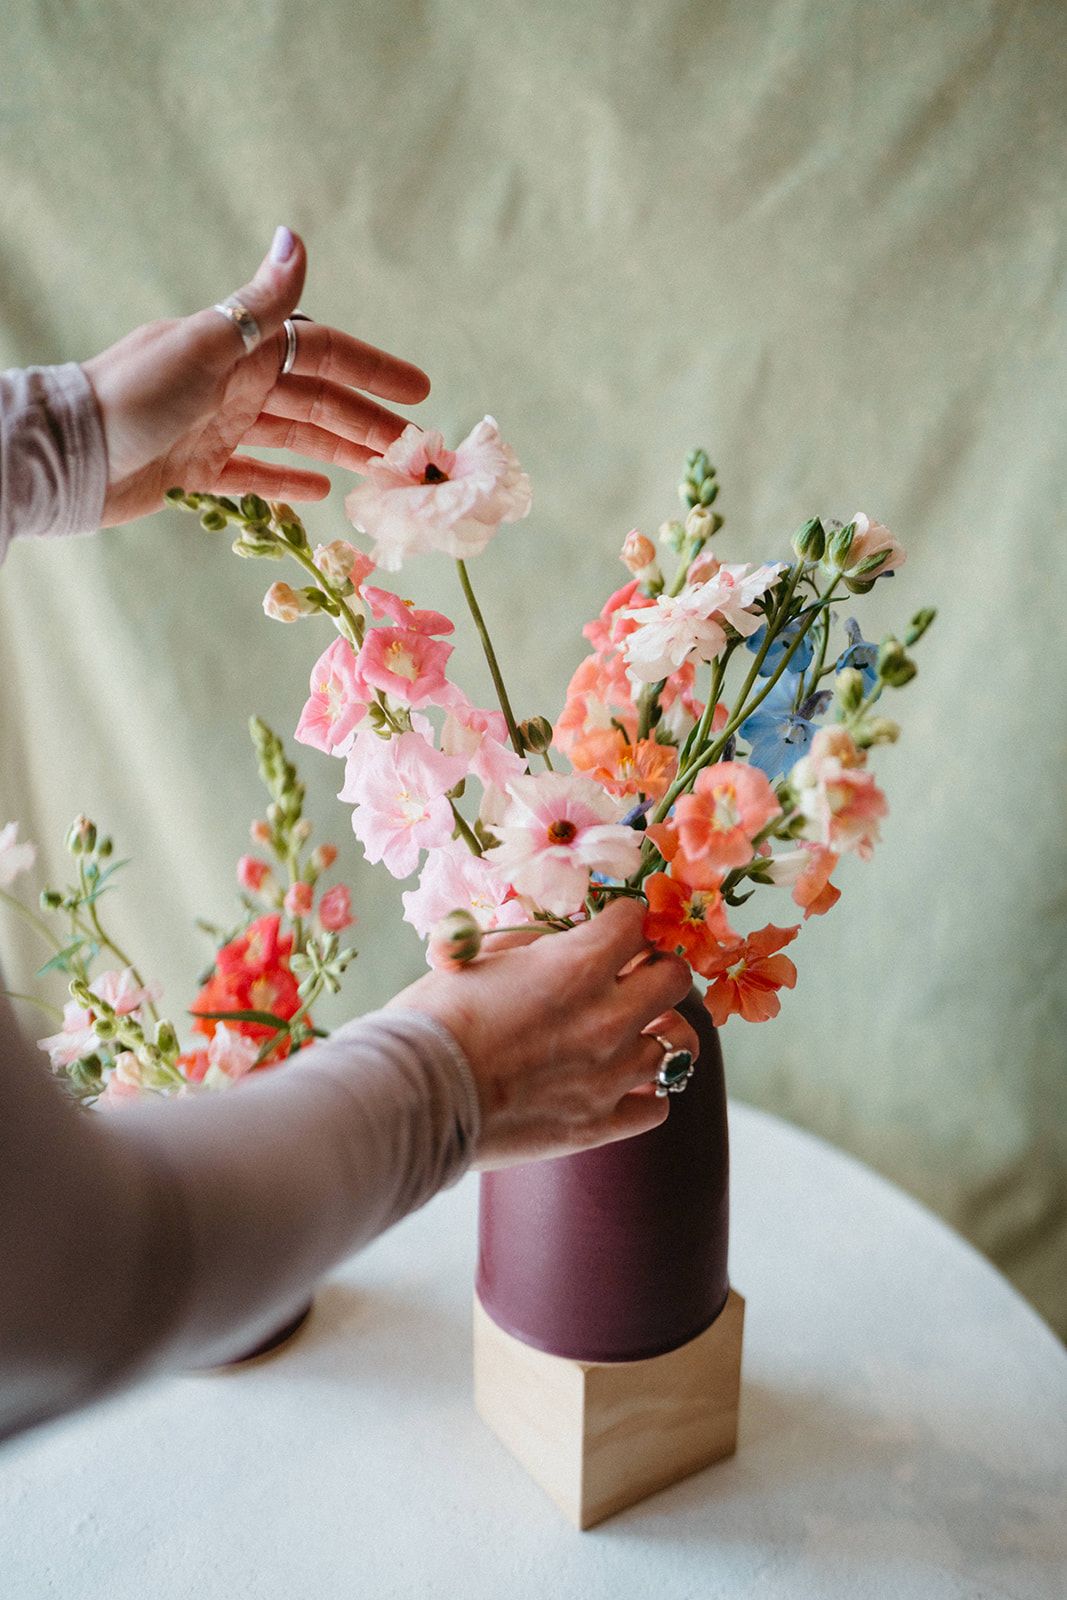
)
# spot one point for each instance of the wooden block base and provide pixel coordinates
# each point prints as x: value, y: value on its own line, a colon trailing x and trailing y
x: 599, y: 1436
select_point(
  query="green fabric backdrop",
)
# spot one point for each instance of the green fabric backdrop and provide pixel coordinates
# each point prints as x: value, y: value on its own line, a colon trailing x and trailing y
x: 825, y: 241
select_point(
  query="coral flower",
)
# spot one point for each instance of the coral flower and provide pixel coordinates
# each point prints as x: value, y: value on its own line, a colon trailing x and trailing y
x: 338, y: 701
x: 405, y: 614
x: 252, y: 873
x: 808, y: 871
x: 556, y: 831
x: 599, y: 696
x: 399, y: 787
x: 335, y: 909
x: 419, y: 496
x: 839, y: 800
x: 730, y: 804
x: 698, y: 874
x: 687, y: 922
x: 252, y: 974
x: 299, y: 899
x: 747, y: 976
x: 408, y: 665
x: 622, y: 768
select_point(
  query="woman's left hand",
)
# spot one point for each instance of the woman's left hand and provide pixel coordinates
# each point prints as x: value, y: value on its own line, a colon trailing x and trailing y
x: 180, y: 400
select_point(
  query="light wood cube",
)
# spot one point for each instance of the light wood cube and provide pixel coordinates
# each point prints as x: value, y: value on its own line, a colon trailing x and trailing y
x: 599, y: 1436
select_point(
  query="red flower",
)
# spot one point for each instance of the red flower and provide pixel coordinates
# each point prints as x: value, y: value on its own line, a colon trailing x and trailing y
x: 685, y: 921
x: 252, y: 974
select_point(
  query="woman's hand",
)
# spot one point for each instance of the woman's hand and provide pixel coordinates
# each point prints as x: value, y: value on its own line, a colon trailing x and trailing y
x: 180, y: 399
x: 559, y: 1033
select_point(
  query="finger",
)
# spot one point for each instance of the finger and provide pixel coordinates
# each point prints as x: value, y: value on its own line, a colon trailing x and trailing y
x: 637, y: 1112
x: 307, y: 440
x: 642, y: 1059
x: 272, y: 480
x: 325, y: 352
x: 270, y: 296
x: 607, y: 941
x: 656, y: 985
x: 339, y: 410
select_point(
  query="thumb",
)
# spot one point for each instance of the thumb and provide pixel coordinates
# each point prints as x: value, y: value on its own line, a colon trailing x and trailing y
x: 270, y: 296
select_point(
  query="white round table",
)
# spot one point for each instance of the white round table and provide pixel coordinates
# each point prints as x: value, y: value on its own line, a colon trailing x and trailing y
x: 903, y: 1433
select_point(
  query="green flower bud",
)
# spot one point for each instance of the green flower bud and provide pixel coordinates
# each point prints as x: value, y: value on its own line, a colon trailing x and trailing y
x: 536, y: 734
x: 809, y: 542
x: 51, y: 899
x: 700, y: 524
x: 167, y: 1039
x: 175, y: 497
x: 708, y: 490
x: 672, y: 534
x: 81, y: 836
x: 293, y: 534
x: 212, y: 521
x: 254, y: 509
x: 79, y: 990
x: 894, y: 666
x: 839, y: 545
x: 104, y: 848
x: 919, y: 624
x: 848, y: 687
x: 880, y: 730
x: 105, y: 1028
x: 456, y: 939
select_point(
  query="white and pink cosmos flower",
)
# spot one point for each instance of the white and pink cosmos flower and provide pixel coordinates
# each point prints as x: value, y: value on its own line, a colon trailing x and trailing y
x: 838, y: 798
x: 557, y: 830
x: 14, y: 857
x: 455, y: 879
x: 76, y: 1038
x: 399, y: 788
x: 692, y: 625
x: 419, y: 496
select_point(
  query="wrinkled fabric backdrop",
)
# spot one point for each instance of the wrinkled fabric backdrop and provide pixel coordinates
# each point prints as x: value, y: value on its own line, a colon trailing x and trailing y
x: 826, y: 242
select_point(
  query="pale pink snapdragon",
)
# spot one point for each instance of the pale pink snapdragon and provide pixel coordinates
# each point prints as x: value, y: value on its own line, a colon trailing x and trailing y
x: 557, y: 830
x: 284, y: 604
x: 419, y: 496
x: 408, y: 665
x: 481, y: 738
x: 399, y: 788
x: 838, y: 798
x: 335, y: 909
x: 76, y: 1039
x: 871, y: 539
x: 338, y: 702
x: 692, y: 625
x: 14, y: 857
x: 455, y: 878
x: 125, y: 1081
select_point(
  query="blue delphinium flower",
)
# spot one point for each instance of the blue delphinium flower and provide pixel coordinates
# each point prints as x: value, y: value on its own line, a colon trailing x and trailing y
x: 860, y: 654
x: 777, y: 733
x: 799, y: 662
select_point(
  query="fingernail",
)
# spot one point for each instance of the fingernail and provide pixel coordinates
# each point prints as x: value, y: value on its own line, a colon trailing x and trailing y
x: 282, y: 245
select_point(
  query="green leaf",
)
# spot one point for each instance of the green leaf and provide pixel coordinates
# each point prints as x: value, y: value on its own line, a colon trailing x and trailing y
x: 266, y: 1018
x: 59, y: 961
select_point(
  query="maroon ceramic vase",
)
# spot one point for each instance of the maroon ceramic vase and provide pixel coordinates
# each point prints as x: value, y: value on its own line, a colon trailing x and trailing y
x: 618, y: 1253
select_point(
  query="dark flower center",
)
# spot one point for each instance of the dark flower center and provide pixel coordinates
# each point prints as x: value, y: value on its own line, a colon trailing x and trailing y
x: 561, y: 831
x: 434, y: 474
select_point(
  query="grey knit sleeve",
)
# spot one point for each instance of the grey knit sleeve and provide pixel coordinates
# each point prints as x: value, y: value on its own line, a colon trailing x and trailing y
x: 182, y: 1232
x: 53, y: 458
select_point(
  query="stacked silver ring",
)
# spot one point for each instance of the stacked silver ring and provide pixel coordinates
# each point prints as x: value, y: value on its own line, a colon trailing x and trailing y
x: 290, y: 340
x: 234, y: 311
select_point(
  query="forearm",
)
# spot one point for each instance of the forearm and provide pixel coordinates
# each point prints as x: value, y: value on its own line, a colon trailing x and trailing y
x: 53, y: 458
x: 181, y: 1233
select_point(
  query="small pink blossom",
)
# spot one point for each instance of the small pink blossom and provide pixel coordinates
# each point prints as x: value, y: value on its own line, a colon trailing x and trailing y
x: 481, y: 739
x: 340, y: 562
x: 405, y: 614
x: 705, y: 566
x: 299, y: 898
x: 839, y: 800
x: 399, y: 788
x: 338, y: 701
x: 76, y: 1039
x: 408, y: 665
x: 419, y: 496
x: 335, y: 909
x: 871, y: 539
x: 455, y: 877
x: 556, y: 831
x: 638, y: 555
x: 252, y: 873
x: 14, y: 857
x: 230, y: 1055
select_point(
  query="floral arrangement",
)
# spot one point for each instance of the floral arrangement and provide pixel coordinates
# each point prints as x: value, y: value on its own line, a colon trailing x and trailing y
x: 681, y: 793
x: 717, y: 736
x: 255, y: 999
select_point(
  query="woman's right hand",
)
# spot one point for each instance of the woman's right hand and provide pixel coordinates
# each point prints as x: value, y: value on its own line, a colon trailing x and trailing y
x: 559, y: 1031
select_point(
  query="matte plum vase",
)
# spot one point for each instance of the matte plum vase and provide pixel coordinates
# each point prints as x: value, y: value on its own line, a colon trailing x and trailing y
x: 618, y: 1253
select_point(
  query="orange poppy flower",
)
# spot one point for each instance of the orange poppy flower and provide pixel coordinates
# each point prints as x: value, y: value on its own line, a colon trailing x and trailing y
x: 747, y: 977
x: 685, y: 921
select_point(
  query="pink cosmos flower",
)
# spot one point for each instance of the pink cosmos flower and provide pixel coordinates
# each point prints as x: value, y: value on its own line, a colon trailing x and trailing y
x: 481, y: 739
x: 14, y: 857
x: 338, y: 701
x: 76, y: 1038
x: 456, y: 879
x: 408, y: 665
x: 692, y: 625
x: 839, y: 800
x: 730, y: 804
x: 299, y: 898
x: 870, y: 539
x: 556, y: 831
x: 335, y: 909
x: 252, y: 873
x: 419, y: 496
x: 399, y: 789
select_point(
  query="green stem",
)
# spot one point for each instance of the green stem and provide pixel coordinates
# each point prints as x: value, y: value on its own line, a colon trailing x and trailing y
x: 34, y: 921
x: 490, y: 656
x: 467, y: 833
x: 109, y: 944
x: 354, y: 629
x: 42, y: 1005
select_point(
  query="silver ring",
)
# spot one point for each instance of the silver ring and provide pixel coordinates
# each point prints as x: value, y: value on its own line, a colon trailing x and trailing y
x: 290, y: 347
x: 232, y: 309
x: 675, y: 1070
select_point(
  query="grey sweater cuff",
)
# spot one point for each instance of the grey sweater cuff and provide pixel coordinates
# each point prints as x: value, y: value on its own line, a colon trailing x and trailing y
x: 53, y: 456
